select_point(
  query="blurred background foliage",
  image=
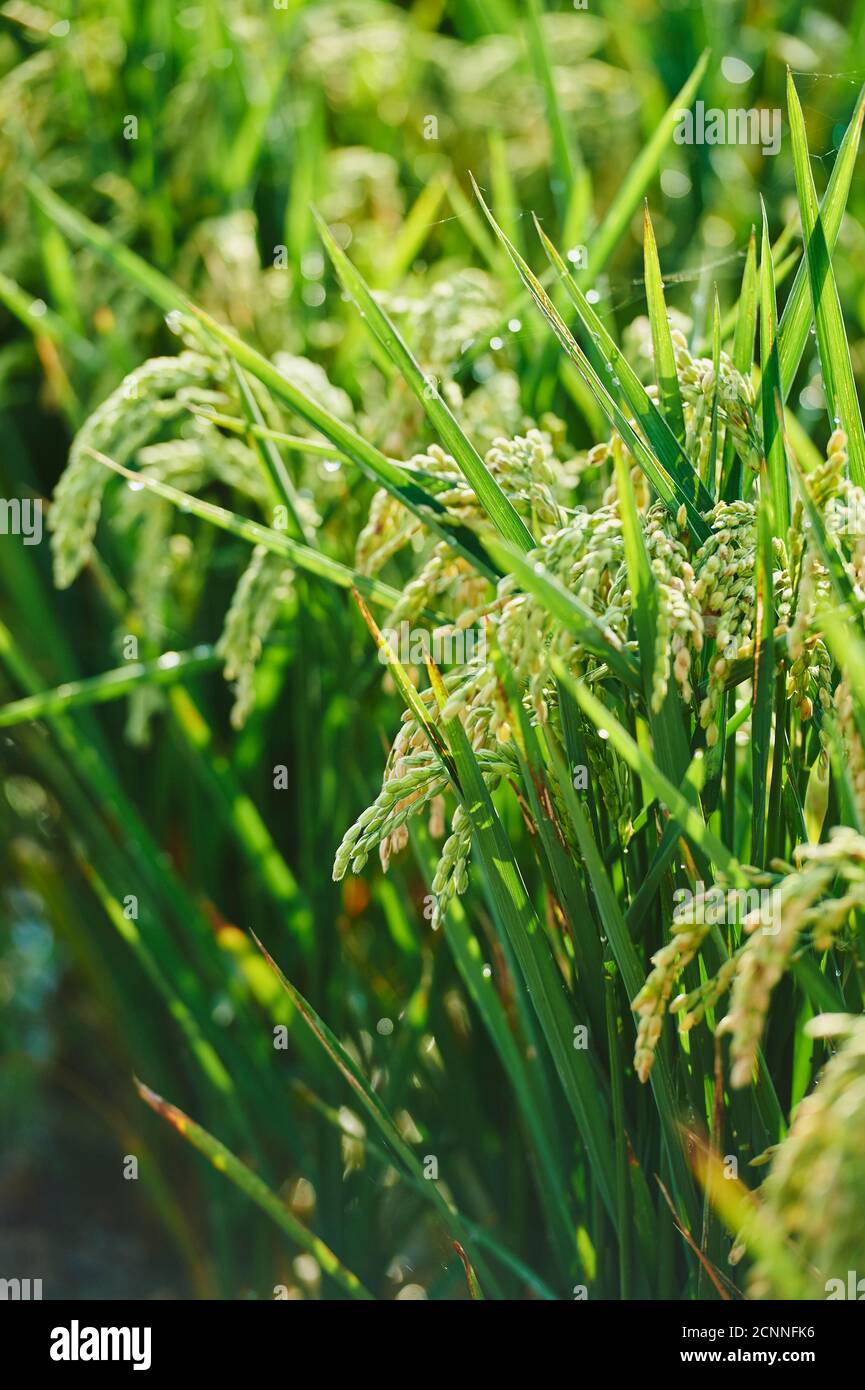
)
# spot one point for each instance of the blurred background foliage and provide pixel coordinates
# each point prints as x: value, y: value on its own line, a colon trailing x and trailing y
x: 245, y: 115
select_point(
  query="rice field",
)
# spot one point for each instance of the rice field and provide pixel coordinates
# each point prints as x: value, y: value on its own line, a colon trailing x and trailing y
x: 432, y: 656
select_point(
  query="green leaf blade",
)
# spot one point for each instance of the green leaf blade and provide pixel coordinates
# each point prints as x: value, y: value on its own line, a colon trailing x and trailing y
x: 832, y: 345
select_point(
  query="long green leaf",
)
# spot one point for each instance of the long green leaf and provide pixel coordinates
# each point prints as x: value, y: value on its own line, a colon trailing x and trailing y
x: 665, y: 446
x: 640, y: 174
x: 275, y: 470
x: 398, y: 481
x: 224, y: 1161
x: 743, y: 360
x: 494, y: 502
x: 569, y: 169
x: 344, y: 1121
x: 839, y: 385
x: 668, y: 733
x: 764, y: 682
x: 522, y: 1068
x: 616, y: 930
x: 135, y: 937
x: 746, y: 312
x: 109, y: 685
x: 669, y: 395
x: 669, y: 488
x: 797, y: 315
x: 43, y: 322
x: 365, y: 1095
x: 312, y: 561
x: 544, y: 982
x: 772, y: 408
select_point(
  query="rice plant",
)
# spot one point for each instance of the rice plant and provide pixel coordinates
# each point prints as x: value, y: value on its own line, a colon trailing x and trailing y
x: 507, y: 896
